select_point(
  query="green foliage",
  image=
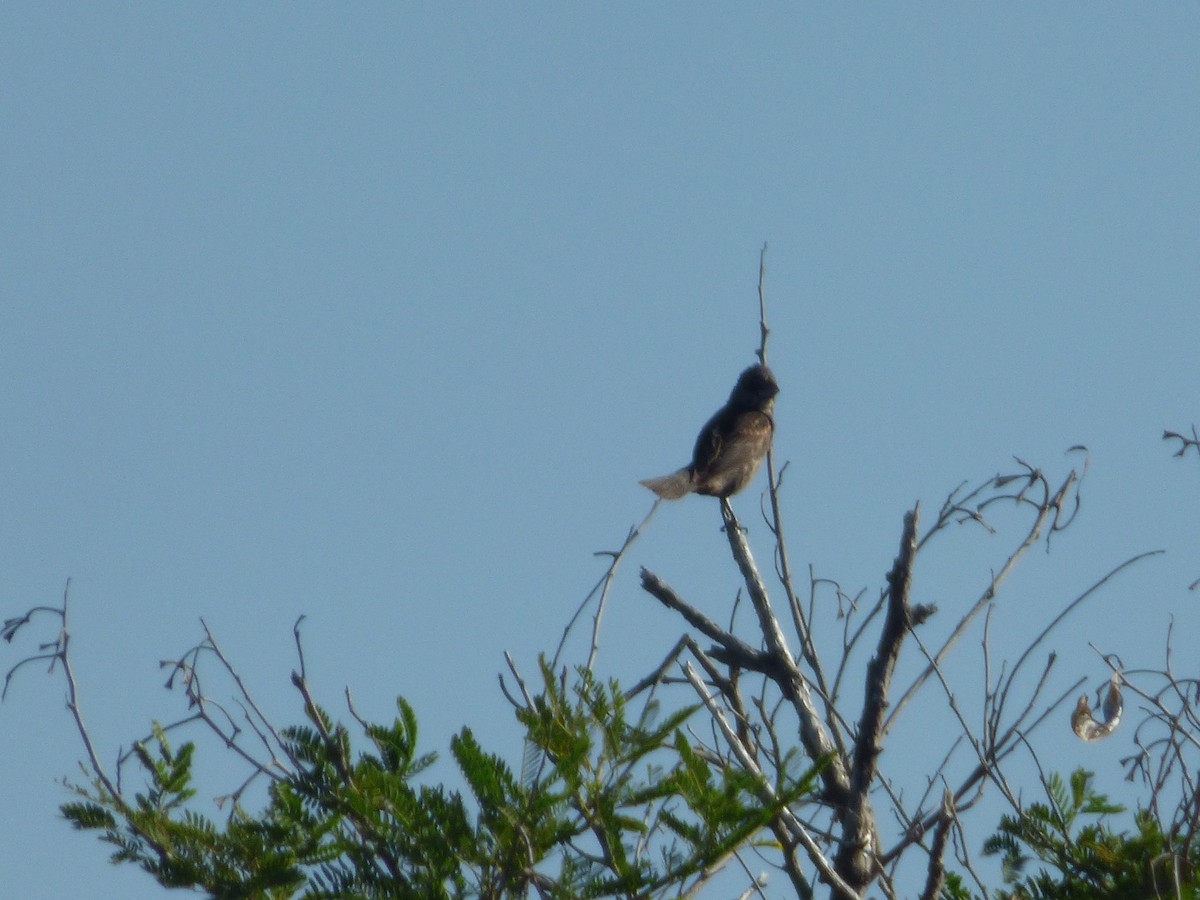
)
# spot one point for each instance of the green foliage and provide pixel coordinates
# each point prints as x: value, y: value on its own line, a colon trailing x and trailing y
x: 1085, y: 860
x: 179, y: 847
x: 609, y: 803
x: 954, y: 888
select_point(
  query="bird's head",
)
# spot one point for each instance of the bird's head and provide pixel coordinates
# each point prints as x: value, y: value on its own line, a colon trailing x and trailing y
x: 755, y: 389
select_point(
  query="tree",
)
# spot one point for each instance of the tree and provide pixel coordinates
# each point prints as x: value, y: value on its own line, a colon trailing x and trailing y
x: 1082, y: 852
x: 760, y: 738
x: 344, y: 824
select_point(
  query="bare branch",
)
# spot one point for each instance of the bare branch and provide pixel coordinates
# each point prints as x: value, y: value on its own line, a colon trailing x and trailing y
x: 660, y: 670
x: 813, y: 732
x: 936, y: 873
x: 1185, y: 442
x: 762, y: 305
x: 857, y: 850
x: 1046, y: 513
x: 737, y: 651
x: 795, y: 827
x: 602, y: 588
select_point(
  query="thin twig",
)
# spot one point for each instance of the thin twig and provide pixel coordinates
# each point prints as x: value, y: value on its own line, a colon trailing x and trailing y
x: 1045, y: 510
x: 602, y: 588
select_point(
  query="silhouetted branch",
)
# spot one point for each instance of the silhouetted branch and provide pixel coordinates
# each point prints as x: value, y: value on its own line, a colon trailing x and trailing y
x: 1048, y: 509
x: 796, y: 828
x: 762, y: 305
x: 935, y: 876
x: 602, y: 588
x: 737, y: 651
x: 859, y: 842
x: 1185, y: 442
x: 813, y: 732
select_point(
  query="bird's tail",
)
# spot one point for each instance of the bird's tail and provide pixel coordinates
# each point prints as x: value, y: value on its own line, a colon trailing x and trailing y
x: 673, y: 486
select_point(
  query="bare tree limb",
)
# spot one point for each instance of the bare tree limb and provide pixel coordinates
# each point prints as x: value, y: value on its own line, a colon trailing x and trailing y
x: 737, y: 651
x: 936, y: 872
x: 602, y: 588
x: 1047, y: 509
x: 813, y: 733
x: 797, y: 829
x: 858, y: 847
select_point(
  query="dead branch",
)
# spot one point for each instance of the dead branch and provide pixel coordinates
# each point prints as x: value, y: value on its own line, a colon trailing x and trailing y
x: 859, y: 842
x: 601, y: 589
x: 795, y: 827
x: 1047, y: 511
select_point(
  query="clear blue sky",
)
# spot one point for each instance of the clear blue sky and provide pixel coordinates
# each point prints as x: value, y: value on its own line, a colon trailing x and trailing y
x: 377, y: 313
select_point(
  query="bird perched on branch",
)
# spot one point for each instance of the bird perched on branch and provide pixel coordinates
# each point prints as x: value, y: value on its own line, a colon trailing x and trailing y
x: 732, y: 443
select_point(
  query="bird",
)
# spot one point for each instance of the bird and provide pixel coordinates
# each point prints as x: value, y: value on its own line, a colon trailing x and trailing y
x: 1085, y: 724
x: 731, y: 445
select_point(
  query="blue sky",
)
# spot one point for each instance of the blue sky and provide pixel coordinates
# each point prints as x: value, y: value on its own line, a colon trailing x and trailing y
x: 377, y: 314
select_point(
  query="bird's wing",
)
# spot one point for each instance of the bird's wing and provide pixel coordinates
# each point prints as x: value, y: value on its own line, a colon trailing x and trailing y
x: 711, y: 441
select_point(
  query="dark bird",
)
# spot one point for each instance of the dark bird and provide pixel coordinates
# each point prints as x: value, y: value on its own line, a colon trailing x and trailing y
x: 732, y: 443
